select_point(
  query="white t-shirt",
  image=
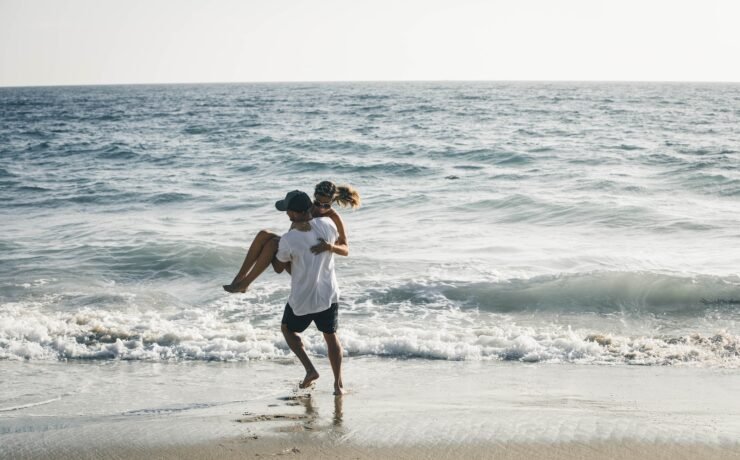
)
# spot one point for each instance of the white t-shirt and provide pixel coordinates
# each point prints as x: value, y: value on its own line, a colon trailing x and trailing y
x: 313, y: 284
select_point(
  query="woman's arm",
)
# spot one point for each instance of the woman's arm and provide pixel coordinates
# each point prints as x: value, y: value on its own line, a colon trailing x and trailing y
x: 341, y: 246
x: 336, y: 248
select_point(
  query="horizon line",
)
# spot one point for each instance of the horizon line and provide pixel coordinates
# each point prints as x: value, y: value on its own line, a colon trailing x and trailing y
x: 77, y: 85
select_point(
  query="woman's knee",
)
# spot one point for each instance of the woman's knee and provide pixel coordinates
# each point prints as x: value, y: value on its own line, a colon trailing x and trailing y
x: 277, y: 266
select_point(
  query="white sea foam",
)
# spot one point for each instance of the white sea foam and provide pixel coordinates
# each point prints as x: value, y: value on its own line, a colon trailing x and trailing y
x: 26, y: 406
x: 224, y: 331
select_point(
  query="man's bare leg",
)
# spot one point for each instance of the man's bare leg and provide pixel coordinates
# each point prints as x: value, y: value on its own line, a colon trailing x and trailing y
x: 334, y: 348
x: 296, y: 345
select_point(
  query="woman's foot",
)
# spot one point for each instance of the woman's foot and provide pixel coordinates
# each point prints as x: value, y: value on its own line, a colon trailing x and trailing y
x: 233, y: 288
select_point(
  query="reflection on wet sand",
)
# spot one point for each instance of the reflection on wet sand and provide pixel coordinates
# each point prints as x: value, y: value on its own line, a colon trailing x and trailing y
x: 309, y: 420
x: 312, y: 419
x: 338, y: 408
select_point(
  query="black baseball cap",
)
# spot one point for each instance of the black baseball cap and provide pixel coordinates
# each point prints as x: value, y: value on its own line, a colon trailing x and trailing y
x: 294, y: 201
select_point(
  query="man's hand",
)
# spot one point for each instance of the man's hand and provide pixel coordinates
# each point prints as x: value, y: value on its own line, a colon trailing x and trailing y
x: 321, y: 247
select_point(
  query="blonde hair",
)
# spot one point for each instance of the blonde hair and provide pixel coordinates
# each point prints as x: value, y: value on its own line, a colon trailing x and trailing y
x: 344, y: 195
x: 348, y: 196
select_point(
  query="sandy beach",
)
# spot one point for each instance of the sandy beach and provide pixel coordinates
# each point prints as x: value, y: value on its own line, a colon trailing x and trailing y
x: 394, y: 409
x: 299, y: 447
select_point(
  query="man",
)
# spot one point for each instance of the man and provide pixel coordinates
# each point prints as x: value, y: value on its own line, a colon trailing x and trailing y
x: 313, y: 286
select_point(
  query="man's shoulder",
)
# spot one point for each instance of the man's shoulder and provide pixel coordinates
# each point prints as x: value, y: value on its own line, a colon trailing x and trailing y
x: 325, y: 222
x: 325, y: 229
x: 290, y: 235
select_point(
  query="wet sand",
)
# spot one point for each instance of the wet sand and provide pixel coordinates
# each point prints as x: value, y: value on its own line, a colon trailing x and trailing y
x: 302, y: 447
x: 410, y: 409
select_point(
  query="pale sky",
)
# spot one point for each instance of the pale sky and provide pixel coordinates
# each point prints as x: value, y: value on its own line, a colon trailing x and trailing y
x: 73, y: 42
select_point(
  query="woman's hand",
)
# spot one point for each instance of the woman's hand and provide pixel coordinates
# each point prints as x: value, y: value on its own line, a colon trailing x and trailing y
x: 321, y: 247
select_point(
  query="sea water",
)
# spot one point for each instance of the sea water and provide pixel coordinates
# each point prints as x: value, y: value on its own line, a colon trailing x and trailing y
x: 583, y: 223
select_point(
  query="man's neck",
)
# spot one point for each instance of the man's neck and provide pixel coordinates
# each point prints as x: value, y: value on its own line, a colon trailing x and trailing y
x: 301, y: 221
x: 302, y: 225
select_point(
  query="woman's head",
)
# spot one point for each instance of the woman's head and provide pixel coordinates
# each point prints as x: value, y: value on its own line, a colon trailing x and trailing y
x: 327, y: 193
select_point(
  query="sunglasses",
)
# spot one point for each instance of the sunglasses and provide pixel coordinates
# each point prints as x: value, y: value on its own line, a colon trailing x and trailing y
x: 321, y: 205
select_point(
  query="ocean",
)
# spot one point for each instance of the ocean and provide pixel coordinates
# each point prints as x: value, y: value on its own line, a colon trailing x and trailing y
x: 583, y: 223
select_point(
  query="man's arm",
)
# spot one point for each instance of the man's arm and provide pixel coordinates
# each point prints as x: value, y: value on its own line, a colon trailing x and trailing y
x: 284, y: 252
x: 281, y: 261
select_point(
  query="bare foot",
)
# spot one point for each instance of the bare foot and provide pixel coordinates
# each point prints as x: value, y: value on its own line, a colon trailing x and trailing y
x: 311, y: 376
x: 338, y: 389
x: 233, y: 288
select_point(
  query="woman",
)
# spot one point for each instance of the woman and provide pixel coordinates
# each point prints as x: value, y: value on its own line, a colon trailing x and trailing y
x: 262, y: 251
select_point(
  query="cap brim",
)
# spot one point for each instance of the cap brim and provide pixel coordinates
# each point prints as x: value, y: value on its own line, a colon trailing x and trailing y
x: 281, y: 205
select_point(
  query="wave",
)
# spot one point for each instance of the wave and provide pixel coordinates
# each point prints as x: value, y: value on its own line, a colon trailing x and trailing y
x: 393, y: 168
x: 515, y: 159
x: 371, y: 110
x: 706, y: 151
x: 528, y: 132
x: 519, y: 208
x: 541, y: 149
x: 469, y: 167
x: 216, y: 333
x: 595, y: 292
x: 104, y: 151
x: 133, y: 262
x: 377, y: 169
x: 196, y: 130
x: 169, y: 197
x: 486, y: 155
x: 423, y: 108
x: 4, y: 173
x: 111, y: 117
x: 96, y: 193
x: 365, y: 97
x: 37, y: 147
x: 627, y: 147
x: 155, y: 261
x: 331, y: 145
x: 662, y: 159
x: 115, y: 151
x: 37, y: 134
x: 704, y: 177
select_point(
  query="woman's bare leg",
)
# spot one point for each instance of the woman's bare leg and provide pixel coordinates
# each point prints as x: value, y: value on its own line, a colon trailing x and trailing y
x: 252, y: 253
x: 280, y: 267
x: 264, y: 259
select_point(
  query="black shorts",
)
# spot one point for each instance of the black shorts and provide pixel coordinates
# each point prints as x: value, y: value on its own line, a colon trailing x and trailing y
x: 327, y: 321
